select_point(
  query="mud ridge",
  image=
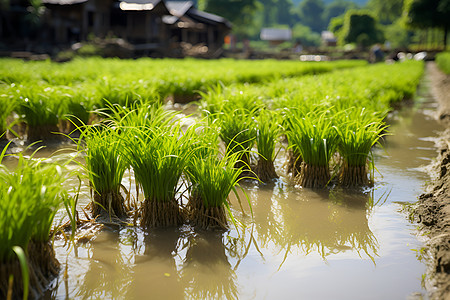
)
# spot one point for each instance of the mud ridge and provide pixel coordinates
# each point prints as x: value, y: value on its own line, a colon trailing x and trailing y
x: 433, y: 208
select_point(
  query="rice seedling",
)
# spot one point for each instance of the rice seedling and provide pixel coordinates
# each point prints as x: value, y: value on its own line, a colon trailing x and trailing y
x: 40, y: 111
x: 443, y: 61
x: 158, y: 157
x: 106, y: 165
x: 29, y: 198
x: 212, y: 176
x: 238, y: 132
x: 358, y: 132
x: 212, y: 179
x: 268, y: 131
x: 315, y: 139
x: 6, y: 108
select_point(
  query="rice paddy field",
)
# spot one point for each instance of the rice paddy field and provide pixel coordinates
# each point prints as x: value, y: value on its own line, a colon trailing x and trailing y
x: 212, y: 179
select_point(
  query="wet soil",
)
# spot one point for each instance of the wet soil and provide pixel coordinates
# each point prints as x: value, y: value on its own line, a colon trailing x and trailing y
x: 433, y: 208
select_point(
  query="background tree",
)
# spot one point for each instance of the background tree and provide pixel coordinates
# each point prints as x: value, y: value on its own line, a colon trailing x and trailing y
x: 305, y: 36
x: 360, y: 27
x: 424, y: 14
x: 387, y: 11
x: 310, y: 13
x: 238, y: 12
x: 337, y: 8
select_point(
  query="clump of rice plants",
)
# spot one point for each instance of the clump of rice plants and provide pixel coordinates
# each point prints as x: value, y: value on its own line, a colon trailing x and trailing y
x: 443, y: 61
x: 6, y: 108
x: 238, y: 132
x: 158, y: 157
x: 358, y: 132
x: 315, y: 139
x: 268, y: 131
x: 212, y: 178
x: 29, y: 198
x: 106, y: 165
x: 40, y: 111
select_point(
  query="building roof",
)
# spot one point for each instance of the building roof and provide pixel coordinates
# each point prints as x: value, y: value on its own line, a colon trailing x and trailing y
x: 138, y: 4
x: 63, y: 2
x: 275, y: 34
x: 208, y: 17
x: 179, y: 8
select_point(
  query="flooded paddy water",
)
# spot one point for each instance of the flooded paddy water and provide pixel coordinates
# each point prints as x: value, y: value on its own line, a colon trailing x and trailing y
x: 299, y: 243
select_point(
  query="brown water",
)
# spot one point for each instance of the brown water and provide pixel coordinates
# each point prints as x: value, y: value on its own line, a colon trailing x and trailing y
x: 300, y: 243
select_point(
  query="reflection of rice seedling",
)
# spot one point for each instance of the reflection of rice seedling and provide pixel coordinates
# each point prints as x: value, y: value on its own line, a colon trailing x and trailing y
x: 106, y: 165
x: 267, y: 134
x: 238, y: 132
x: 315, y: 139
x: 29, y: 198
x: 158, y: 158
x: 358, y: 131
x: 206, y: 272
x: 212, y: 179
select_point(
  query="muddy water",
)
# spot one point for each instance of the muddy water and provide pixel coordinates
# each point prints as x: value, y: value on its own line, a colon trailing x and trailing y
x: 300, y: 243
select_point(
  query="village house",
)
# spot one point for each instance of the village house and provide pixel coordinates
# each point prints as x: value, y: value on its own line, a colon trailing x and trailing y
x: 148, y: 25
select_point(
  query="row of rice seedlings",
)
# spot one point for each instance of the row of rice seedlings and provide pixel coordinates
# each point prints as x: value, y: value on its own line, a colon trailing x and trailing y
x: 105, y: 165
x: 6, y: 108
x: 376, y: 87
x: 29, y: 198
x: 170, y: 74
x: 212, y: 176
x: 267, y: 136
x: 315, y: 139
x: 358, y: 132
x: 238, y: 132
x: 153, y: 143
x: 443, y: 61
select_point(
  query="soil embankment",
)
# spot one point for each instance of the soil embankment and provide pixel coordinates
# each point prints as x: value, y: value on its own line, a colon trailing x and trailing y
x: 433, y: 207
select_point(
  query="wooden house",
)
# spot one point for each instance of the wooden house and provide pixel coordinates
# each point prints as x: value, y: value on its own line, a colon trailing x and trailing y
x: 146, y: 24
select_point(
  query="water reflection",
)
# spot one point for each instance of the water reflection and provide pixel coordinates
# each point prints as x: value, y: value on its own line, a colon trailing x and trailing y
x: 110, y: 268
x: 156, y: 268
x: 325, y: 222
x: 206, y: 271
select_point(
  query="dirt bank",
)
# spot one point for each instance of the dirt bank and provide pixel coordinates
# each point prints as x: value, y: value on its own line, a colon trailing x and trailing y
x: 433, y: 208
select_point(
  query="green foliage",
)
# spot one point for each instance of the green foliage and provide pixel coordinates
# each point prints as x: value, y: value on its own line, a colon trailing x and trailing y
x: 398, y: 35
x: 428, y: 14
x: 337, y: 8
x: 387, y: 11
x: 443, y: 61
x: 305, y: 35
x: 360, y: 27
x: 310, y: 13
